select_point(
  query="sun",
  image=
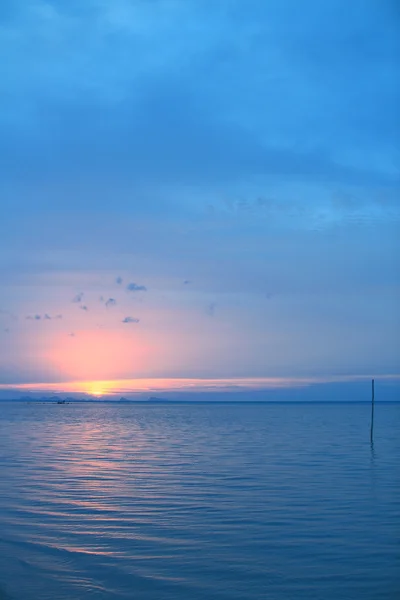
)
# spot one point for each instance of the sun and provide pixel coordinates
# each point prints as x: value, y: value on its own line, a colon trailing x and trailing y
x: 96, y: 389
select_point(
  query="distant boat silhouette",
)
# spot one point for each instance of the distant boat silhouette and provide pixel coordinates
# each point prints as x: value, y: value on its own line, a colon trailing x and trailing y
x: 61, y: 401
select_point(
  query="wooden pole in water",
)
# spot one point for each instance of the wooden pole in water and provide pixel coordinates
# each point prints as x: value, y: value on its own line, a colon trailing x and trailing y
x: 372, y: 412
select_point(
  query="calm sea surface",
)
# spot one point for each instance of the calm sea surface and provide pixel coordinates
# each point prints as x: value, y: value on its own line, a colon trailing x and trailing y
x: 224, y: 502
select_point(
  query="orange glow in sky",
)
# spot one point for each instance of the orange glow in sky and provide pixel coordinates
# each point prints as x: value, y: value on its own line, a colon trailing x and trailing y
x: 93, y: 355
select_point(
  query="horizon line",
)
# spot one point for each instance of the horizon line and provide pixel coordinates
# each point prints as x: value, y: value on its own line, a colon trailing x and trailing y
x: 99, y: 388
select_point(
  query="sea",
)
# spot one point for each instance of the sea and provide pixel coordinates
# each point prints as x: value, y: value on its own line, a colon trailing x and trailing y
x: 192, y: 501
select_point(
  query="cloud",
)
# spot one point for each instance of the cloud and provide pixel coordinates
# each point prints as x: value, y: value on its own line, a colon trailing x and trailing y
x: 71, y: 334
x: 78, y: 298
x: 45, y: 317
x: 210, y: 309
x: 134, y: 287
x: 111, y: 302
x: 119, y: 281
x: 186, y: 282
x: 191, y: 118
x: 130, y: 320
x: 83, y: 307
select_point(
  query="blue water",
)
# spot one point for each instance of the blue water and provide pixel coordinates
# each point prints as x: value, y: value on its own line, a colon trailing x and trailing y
x: 193, y: 502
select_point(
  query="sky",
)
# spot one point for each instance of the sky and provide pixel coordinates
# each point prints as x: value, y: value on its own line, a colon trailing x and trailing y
x: 200, y: 193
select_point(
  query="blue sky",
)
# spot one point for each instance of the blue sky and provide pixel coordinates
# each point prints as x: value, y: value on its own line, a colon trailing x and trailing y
x: 238, y: 161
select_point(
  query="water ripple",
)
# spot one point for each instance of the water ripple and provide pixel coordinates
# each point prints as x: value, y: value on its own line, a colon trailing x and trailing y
x: 195, y: 501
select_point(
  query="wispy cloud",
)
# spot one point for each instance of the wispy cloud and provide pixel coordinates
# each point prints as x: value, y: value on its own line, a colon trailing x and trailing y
x: 110, y: 302
x: 45, y: 317
x: 130, y: 320
x: 8, y: 314
x: 119, y: 281
x: 78, y: 298
x: 134, y: 287
x: 83, y: 307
